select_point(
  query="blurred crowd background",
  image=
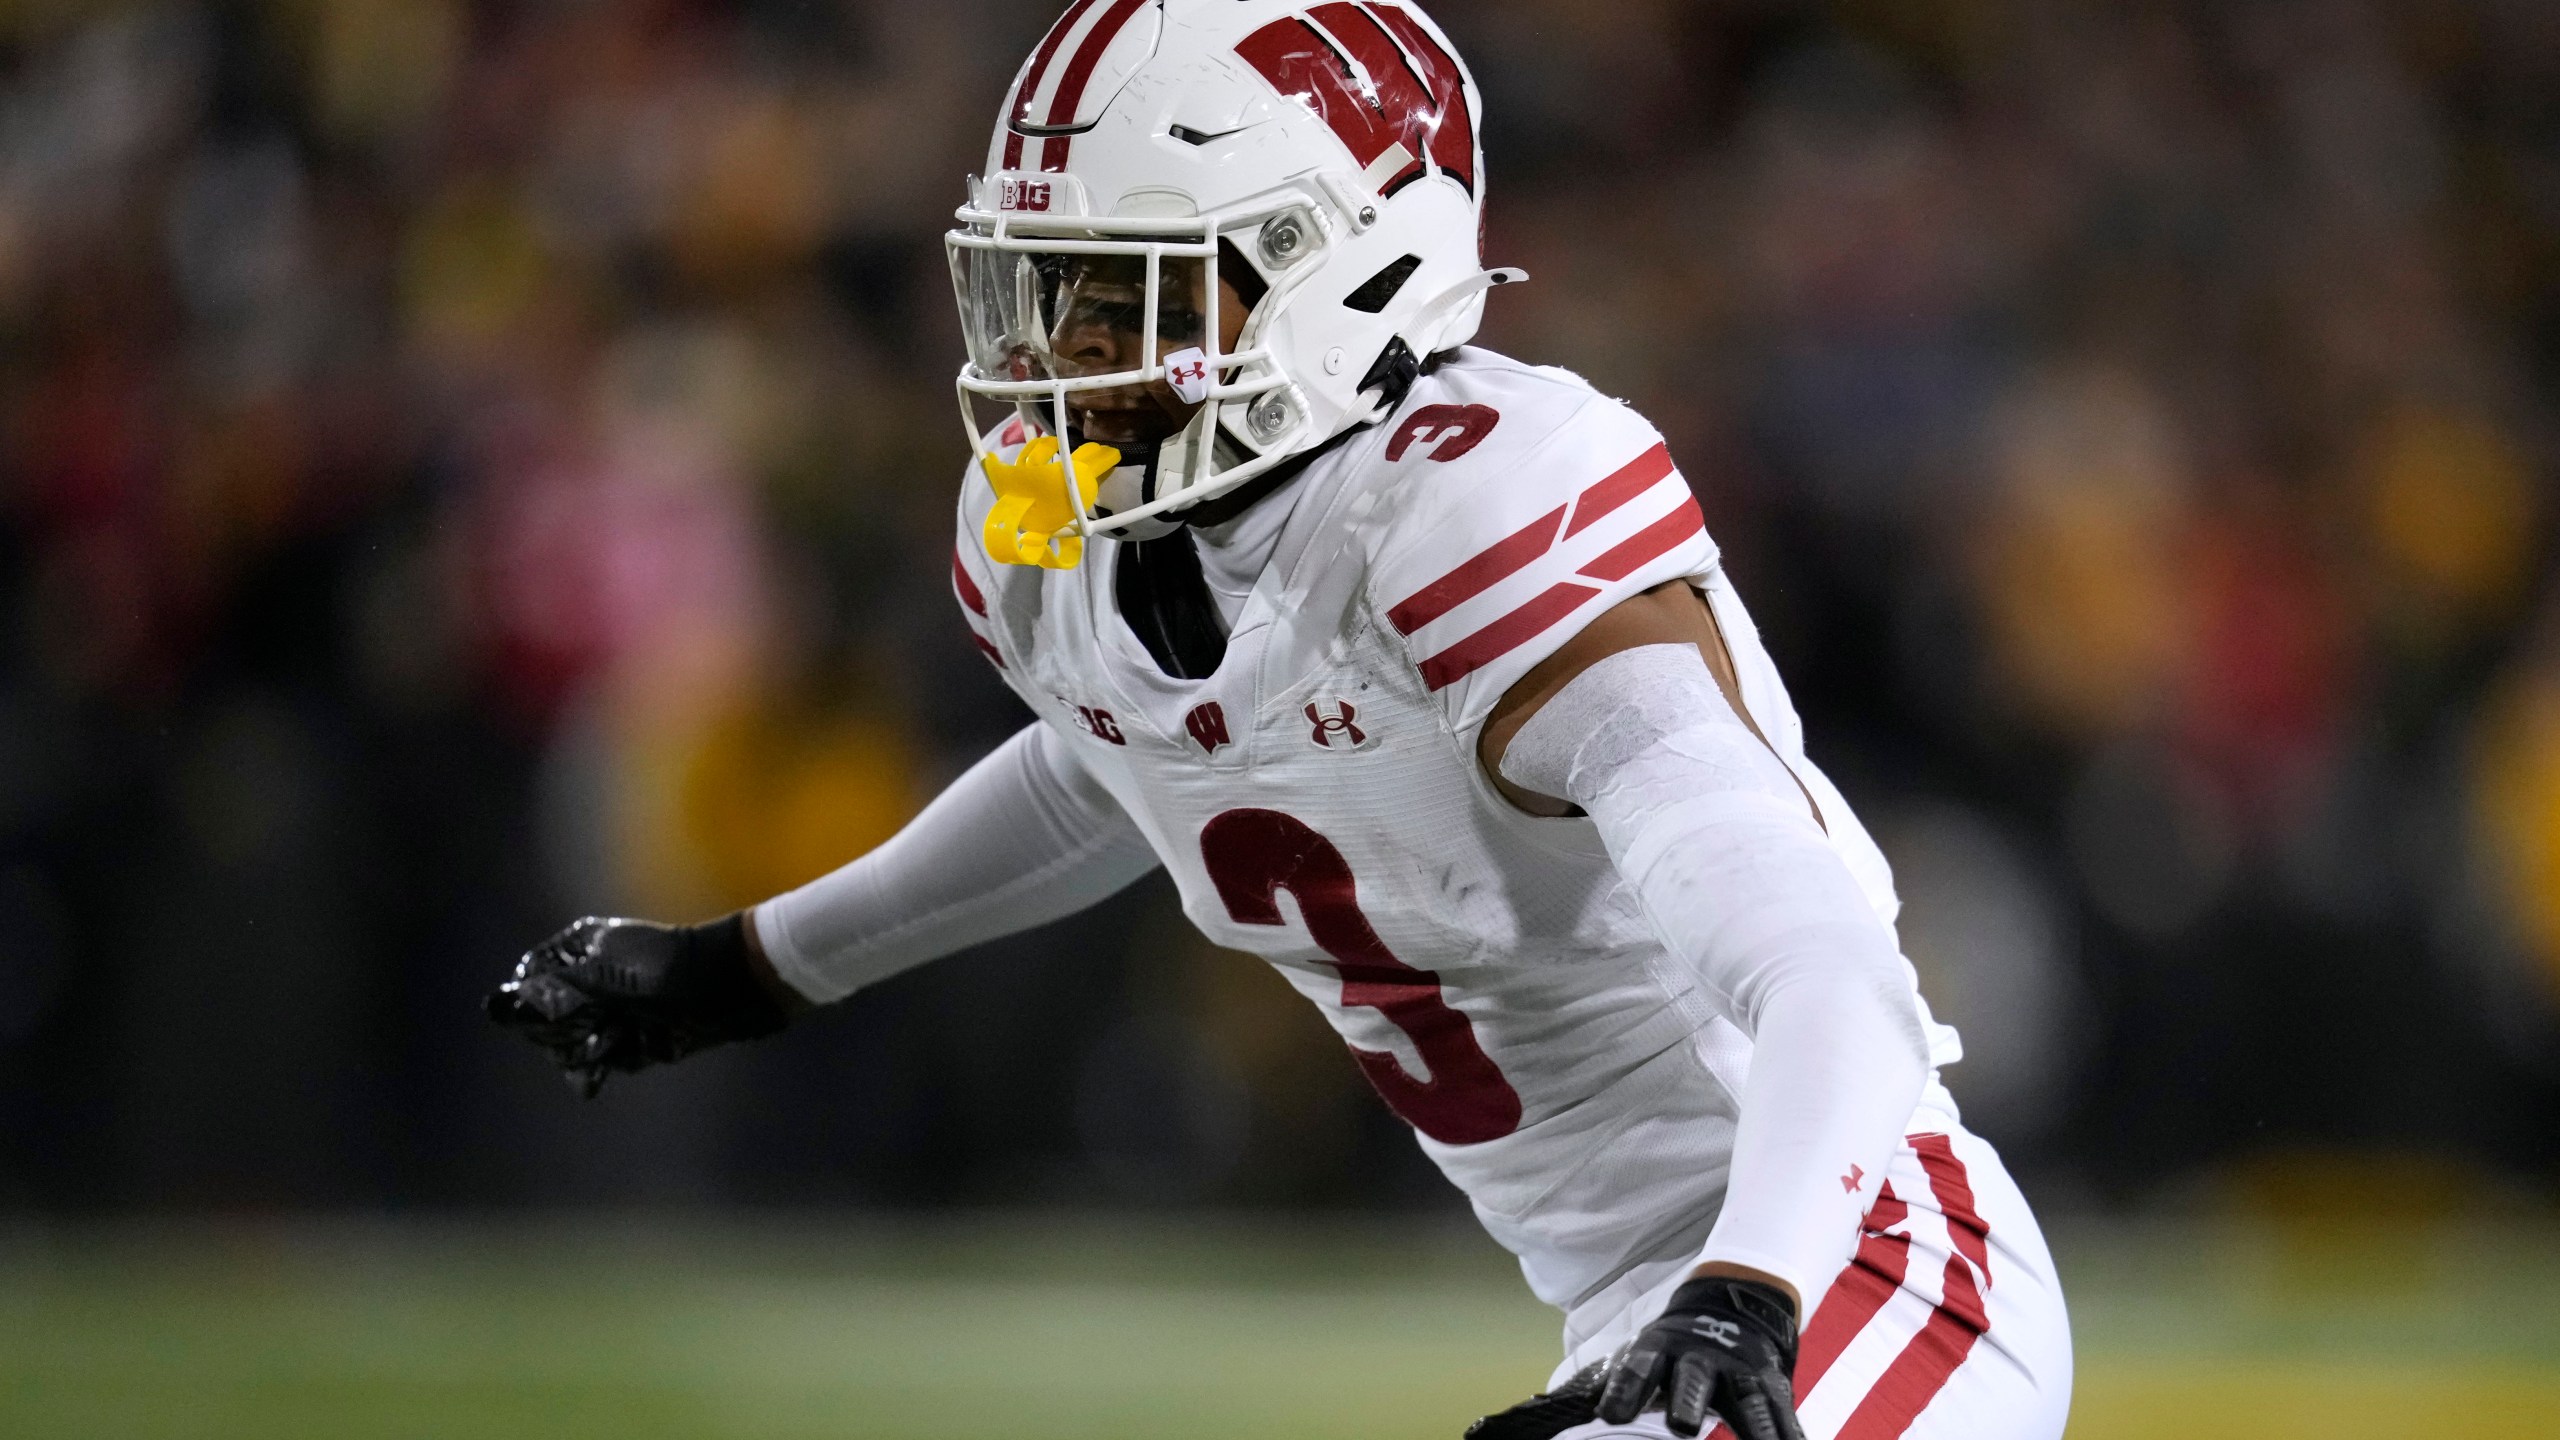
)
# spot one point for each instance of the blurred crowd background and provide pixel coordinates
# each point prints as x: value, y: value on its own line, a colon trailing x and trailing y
x: 465, y: 465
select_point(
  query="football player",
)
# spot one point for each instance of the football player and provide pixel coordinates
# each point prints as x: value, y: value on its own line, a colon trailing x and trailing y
x: 1415, y: 667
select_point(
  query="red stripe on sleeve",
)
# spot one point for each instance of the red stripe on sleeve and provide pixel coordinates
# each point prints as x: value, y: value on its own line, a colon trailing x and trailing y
x: 1954, y: 1189
x: 1917, y: 1374
x: 1648, y: 544
x: 1478, y: 573
x: 1874, y: 1273
x: 1062, y: 109
x: 968, y: 588
x: 1626, y: 483
x: 985, y: 648
x: 1504, y: 635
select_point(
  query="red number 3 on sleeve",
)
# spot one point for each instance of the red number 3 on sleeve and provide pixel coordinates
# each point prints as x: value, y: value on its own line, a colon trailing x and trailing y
x: 1253, y: 855
x: 1449, y: 430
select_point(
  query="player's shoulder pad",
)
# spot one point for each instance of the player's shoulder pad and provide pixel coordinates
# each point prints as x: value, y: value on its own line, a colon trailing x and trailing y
x: 1524, y: 503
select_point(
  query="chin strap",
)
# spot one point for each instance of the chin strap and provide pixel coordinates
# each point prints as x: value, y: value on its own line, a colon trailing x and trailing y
x: 1013, y: 535
x: 1397, y: 367
x: 1392, y: 375
x: 1151, y: 469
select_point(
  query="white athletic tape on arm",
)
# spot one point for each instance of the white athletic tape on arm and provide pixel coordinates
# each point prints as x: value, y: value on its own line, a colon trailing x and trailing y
x: 1024, y: 838
x: 1741, y: 884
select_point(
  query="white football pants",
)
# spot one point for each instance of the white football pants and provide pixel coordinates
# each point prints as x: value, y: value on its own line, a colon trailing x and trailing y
x: 1948, y: 1324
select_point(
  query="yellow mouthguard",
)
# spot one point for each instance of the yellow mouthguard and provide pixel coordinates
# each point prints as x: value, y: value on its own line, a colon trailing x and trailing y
x: 1031, y: 524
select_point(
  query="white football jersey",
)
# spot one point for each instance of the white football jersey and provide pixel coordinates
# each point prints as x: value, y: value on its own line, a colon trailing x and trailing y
x: 1319, y: 801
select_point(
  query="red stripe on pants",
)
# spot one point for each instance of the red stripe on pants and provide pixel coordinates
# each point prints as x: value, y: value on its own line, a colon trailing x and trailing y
x: 1954, y: 1189
x: 1921, y: 1370
x: 1874, y: 1273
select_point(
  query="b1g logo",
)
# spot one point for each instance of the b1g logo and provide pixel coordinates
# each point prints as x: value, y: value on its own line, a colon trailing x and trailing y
x: 1339, y: 730
x: 1095, y: 722
x: 1026, y: 195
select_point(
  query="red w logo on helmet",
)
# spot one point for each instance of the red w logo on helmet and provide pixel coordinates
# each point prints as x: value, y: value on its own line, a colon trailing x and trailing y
x: 1389, y: 90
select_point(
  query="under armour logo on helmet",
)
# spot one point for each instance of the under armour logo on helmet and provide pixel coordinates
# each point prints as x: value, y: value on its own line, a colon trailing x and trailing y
x: 1187, y: 371
x: 1337, y: 726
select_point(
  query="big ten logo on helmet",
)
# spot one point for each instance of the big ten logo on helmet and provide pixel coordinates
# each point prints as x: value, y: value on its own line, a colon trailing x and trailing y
x: 1450, y: 430
x: 1338, y: 728
x: 1207, y: 723
x: 1026, y: 195
x: 1383, y: 85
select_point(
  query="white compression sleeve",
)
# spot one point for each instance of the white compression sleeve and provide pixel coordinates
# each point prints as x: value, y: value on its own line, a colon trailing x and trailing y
x: 1024, y: 838
x: 1741, y: 885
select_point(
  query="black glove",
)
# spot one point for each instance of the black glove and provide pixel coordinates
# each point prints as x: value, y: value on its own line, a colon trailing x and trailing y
x: 1722, y: 1346
x: 607, y: 995
x: 1545, y: 1416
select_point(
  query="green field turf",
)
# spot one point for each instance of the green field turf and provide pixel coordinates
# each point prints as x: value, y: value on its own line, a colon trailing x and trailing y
x: 1134, y: 1331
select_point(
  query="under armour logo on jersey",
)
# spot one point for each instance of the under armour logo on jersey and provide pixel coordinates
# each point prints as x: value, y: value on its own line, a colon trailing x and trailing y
x: 1337, y: 731
x: 1187, y: 371
x: 1208, y: 725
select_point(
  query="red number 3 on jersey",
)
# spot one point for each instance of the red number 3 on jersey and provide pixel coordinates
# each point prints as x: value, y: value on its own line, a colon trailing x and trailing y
x: 1253, y: 855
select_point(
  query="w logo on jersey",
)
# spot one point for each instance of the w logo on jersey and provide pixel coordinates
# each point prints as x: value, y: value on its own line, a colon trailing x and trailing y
x: 1208, y: 726
x: 1339, y: 730
x: 1383, y: 84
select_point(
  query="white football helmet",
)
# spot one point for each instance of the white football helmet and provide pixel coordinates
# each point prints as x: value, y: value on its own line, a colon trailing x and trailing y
x: 1328, y: 149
